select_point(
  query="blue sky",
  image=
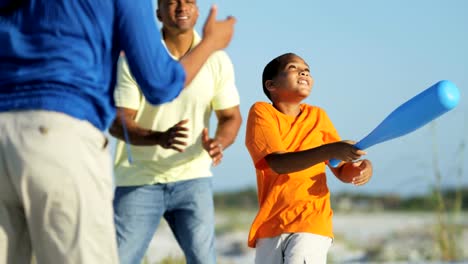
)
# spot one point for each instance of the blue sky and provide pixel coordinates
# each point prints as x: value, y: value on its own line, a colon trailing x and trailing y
x: 367, y: 57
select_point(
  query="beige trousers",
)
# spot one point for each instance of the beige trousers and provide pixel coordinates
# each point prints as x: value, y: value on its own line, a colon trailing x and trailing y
x: 293, y: 248
x: 55, y: 190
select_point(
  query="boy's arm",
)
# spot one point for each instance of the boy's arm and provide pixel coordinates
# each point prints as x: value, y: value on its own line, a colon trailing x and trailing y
x: 289, y: 162
x: 357, y: 173
x: 265, y: 145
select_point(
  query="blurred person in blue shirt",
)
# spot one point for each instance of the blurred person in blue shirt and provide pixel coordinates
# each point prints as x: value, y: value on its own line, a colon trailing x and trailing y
x: 57, y: 76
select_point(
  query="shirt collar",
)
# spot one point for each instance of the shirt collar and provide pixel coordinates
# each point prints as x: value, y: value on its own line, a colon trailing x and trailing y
x: 196, y: 40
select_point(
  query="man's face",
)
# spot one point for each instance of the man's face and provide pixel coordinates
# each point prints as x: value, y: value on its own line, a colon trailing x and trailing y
x: 178, y: 14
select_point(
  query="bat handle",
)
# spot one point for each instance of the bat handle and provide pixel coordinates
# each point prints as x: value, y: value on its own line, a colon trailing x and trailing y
x: 334, y: 162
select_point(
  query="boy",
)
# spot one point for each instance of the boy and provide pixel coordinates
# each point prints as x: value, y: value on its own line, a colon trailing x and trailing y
x: 290, y: 143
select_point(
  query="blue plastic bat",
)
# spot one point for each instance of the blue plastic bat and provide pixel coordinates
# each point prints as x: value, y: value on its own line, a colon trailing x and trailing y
x: 413, y: 114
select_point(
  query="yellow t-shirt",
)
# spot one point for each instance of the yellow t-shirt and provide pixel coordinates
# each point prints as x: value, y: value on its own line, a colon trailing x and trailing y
x: 294, y: 202
x: 212, y: 89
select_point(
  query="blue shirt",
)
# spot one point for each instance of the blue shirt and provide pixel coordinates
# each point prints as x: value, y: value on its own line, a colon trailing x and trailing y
x: 61, y: 55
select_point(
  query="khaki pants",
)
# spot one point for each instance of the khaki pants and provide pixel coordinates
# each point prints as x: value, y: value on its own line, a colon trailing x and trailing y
x: 55, y: 190
x: 293, y: 248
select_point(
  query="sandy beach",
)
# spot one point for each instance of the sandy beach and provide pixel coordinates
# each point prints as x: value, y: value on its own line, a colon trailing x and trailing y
x: 383, y: 237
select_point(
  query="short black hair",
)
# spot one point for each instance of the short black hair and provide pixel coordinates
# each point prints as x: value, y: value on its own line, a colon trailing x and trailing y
x: 272, y: 69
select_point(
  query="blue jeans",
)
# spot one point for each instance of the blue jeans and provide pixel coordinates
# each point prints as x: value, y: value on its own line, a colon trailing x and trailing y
x: 187, y: 207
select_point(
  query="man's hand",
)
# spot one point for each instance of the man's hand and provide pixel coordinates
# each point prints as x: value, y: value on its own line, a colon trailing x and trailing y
x: 218, y: 32
x: 213, y: 147
x: 173, y: 137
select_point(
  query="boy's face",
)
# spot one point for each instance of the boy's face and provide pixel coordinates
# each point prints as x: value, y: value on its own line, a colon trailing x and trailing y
x: 180, y: 15
x: 293, y: 80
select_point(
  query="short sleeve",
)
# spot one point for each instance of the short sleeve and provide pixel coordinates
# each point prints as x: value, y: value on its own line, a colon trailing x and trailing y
x: 329, y: 132
x: 226, y: 94
x: 262, y: 136
x: 126, y: 94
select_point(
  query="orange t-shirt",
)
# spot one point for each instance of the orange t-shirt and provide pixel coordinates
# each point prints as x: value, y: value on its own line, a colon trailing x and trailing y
x: 294, y: 202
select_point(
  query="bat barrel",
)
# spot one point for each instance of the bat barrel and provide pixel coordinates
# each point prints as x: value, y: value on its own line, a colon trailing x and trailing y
x: 413, y: 114
x: 433, y: 102
x: 448, y: 95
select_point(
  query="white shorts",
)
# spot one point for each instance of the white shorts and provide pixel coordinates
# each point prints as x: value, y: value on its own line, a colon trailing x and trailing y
x: 293, y: 248
x: 55, y: 190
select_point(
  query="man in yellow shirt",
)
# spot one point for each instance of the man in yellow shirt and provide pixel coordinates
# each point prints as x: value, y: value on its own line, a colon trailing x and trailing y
x: 170, y: 174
